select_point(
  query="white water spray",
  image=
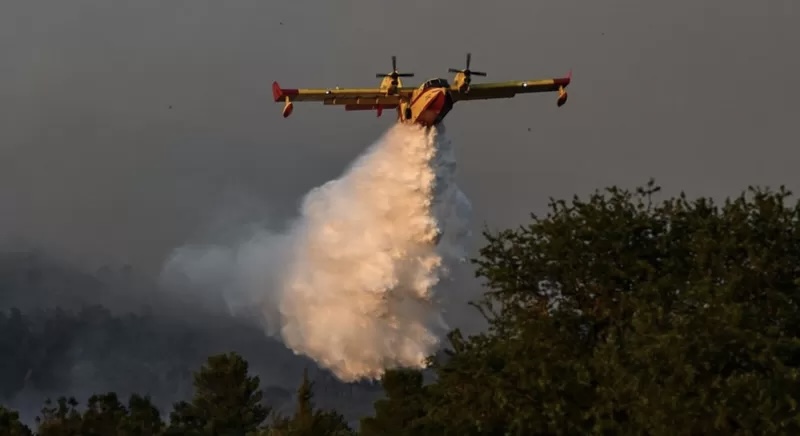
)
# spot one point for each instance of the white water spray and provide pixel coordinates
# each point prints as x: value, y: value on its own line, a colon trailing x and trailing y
x: 353, y: 283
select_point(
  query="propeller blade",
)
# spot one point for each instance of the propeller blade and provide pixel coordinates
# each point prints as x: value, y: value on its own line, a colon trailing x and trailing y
x: 394, y: 63
x: 405, y: 75
x: 466, y: 71
x: 381, y: 75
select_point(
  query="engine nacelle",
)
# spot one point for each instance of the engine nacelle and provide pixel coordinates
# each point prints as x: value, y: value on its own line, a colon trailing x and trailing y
x: 287, y: 110
x: 562, y: 96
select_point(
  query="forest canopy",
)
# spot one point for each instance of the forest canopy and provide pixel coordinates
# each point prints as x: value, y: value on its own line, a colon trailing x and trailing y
x: 613, y: 314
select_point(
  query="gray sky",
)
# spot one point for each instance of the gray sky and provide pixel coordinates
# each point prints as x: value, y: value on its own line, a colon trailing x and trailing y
x: 93, y: 163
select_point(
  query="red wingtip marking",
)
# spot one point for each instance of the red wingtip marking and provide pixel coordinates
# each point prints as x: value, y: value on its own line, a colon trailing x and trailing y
x: 564, y: 81
x: 277, y: 92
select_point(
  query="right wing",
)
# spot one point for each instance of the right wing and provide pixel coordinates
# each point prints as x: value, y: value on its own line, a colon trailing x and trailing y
x: 485, y: 91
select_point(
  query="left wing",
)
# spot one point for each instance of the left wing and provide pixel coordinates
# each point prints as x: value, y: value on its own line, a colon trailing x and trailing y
x: 341, y: 96
x: 485, y: 91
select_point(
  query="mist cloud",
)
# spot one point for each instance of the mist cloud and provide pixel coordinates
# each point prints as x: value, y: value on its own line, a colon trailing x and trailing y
x: 353, y: 282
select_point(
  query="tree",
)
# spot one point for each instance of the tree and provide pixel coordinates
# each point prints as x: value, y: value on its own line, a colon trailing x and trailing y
x: 10, y: 425
x: 621, y: 315
x: 62, y: 419
x: 103, y: 416
x: 143, y: 418
x: 402, y: 409
x: 308, y: 421
x: 226, y: 400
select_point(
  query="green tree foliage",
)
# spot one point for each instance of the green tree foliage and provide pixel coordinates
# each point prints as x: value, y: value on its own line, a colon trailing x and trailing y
x: 104, y: 415
x: 60, y: 419
x: 227, y: 400
x: 10, y: 425
x: 618, y: 315
x: 614, y: 314
x: 142, y: 419
x: 400, y: 413
x: 307, y: 420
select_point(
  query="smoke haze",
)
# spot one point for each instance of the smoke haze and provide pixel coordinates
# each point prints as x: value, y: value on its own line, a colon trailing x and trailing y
x: 355, y: 282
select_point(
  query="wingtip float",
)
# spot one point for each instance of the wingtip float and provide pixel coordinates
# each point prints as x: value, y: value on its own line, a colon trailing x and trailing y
x: 426, y: 104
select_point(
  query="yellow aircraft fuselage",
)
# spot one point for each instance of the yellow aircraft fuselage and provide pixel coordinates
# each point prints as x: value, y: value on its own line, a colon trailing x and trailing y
x: 427, y: 105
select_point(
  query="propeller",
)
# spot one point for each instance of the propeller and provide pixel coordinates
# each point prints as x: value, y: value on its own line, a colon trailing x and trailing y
x: 467, y: 72
x: 394, y: 74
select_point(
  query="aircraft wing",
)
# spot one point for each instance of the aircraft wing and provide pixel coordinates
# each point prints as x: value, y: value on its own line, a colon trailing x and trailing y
x: 485, y: 91
x: 366, y: 97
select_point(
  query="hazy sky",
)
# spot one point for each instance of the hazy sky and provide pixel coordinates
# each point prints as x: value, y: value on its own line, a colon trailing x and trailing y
x: 702, y: 95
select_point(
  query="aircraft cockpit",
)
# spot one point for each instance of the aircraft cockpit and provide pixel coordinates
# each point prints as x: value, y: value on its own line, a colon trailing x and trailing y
x: 435, y: 83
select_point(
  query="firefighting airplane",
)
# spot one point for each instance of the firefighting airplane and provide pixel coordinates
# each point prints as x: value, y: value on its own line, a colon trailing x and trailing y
x: 426, y: 104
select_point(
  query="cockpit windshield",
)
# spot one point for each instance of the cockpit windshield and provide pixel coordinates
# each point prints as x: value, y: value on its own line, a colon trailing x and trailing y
x: 435, y: 83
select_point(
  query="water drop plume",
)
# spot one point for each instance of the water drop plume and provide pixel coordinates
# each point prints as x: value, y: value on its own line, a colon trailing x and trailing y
x: 355, y: 281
